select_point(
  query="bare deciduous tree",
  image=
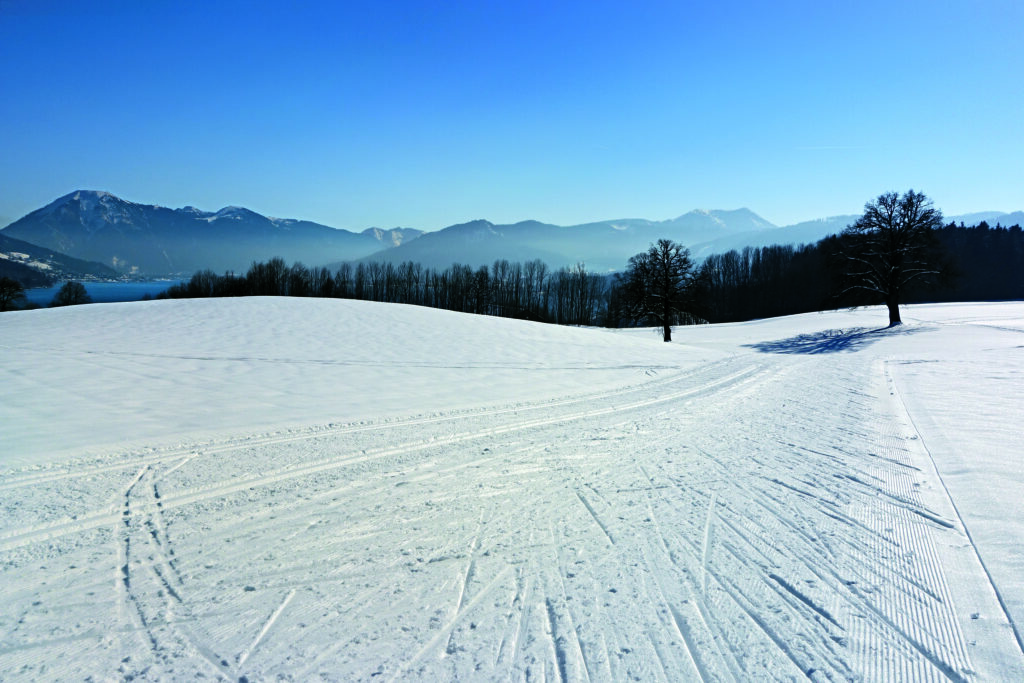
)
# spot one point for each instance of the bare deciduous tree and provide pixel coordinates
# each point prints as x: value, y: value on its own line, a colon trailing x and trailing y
x: 891, y: 246
x: 71, y: 294
x: 659, y: 283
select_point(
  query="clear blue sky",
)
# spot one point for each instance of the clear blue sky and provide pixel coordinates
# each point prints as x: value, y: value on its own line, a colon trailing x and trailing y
x: 425, y: 114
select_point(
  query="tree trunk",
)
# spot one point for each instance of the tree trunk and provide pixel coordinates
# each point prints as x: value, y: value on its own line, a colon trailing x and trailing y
x: 668, y: 331
x: 894, y: 312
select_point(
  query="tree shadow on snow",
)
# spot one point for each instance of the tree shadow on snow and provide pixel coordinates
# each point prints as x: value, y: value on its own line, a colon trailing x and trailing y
x: 832, y: 341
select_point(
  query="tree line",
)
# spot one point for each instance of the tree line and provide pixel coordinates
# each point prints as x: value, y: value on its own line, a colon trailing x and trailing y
x: 12, y: 295
x: 898, y: 251
x: 530, y: 291
x: 971, y: 264
x: 977, y: 263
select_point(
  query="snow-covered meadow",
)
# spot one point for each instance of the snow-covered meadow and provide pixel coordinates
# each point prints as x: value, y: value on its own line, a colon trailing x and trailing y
x: 321, y: 489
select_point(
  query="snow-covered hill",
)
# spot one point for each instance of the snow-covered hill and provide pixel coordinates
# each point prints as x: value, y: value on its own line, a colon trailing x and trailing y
x: 323, y: 489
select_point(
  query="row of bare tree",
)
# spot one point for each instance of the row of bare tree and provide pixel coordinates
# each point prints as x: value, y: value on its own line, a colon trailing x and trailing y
x: 896, y: 252
x: 569, y: 296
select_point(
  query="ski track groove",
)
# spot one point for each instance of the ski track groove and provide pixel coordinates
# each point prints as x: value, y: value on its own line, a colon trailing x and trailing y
x: 245, y: 654
x: 523, y: 623
x: 679, y: 627
x: 75, y: 469
x: 17, y: 537
x: 511, y: 634
x: 960, y: 521
x: 465, y: 577
x: 912, y: 533
x: 706, y: 544
x: 730, y: 543
x: 684, y: 636
x: 738, y: 598
x: 952, y: 638
x: 163, y: 631
x: 446, y: 630
x: 700, y: 607
x: 597, y: 520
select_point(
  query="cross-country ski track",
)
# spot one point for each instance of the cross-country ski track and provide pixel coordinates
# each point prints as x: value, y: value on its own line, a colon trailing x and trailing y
x: 790, y: 500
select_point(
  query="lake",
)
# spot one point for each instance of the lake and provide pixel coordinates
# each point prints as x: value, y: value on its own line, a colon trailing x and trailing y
x: 104, y: 292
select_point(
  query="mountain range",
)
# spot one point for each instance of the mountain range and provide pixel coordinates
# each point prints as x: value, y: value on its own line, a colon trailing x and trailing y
x: 35, y: 266
x: 606, y: 245
x: 154, y: 241
x: 993, y: 218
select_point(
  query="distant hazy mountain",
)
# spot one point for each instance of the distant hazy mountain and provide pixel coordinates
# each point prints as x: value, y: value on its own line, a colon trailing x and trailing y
x: 602, y: 246
x: 991, y: 217
x: 810, y: 232
x: 154, y: 240
x: 807, y: 232
x: 35, y: 266
x: 157, y: 241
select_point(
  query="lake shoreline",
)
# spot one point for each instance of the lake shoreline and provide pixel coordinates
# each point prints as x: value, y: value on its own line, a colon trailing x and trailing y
x: 103, y: 292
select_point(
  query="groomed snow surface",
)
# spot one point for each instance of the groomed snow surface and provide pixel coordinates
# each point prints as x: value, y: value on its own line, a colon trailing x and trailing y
x: 261, y: 489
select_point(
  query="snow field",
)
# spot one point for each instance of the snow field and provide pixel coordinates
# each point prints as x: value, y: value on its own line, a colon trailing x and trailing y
x: 130, y: 375
x: 763, y: 501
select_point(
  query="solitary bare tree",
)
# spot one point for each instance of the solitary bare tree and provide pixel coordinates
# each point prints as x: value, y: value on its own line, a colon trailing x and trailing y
x: 71, y: 294
x: 891, y: 246
x: 658, y: 284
